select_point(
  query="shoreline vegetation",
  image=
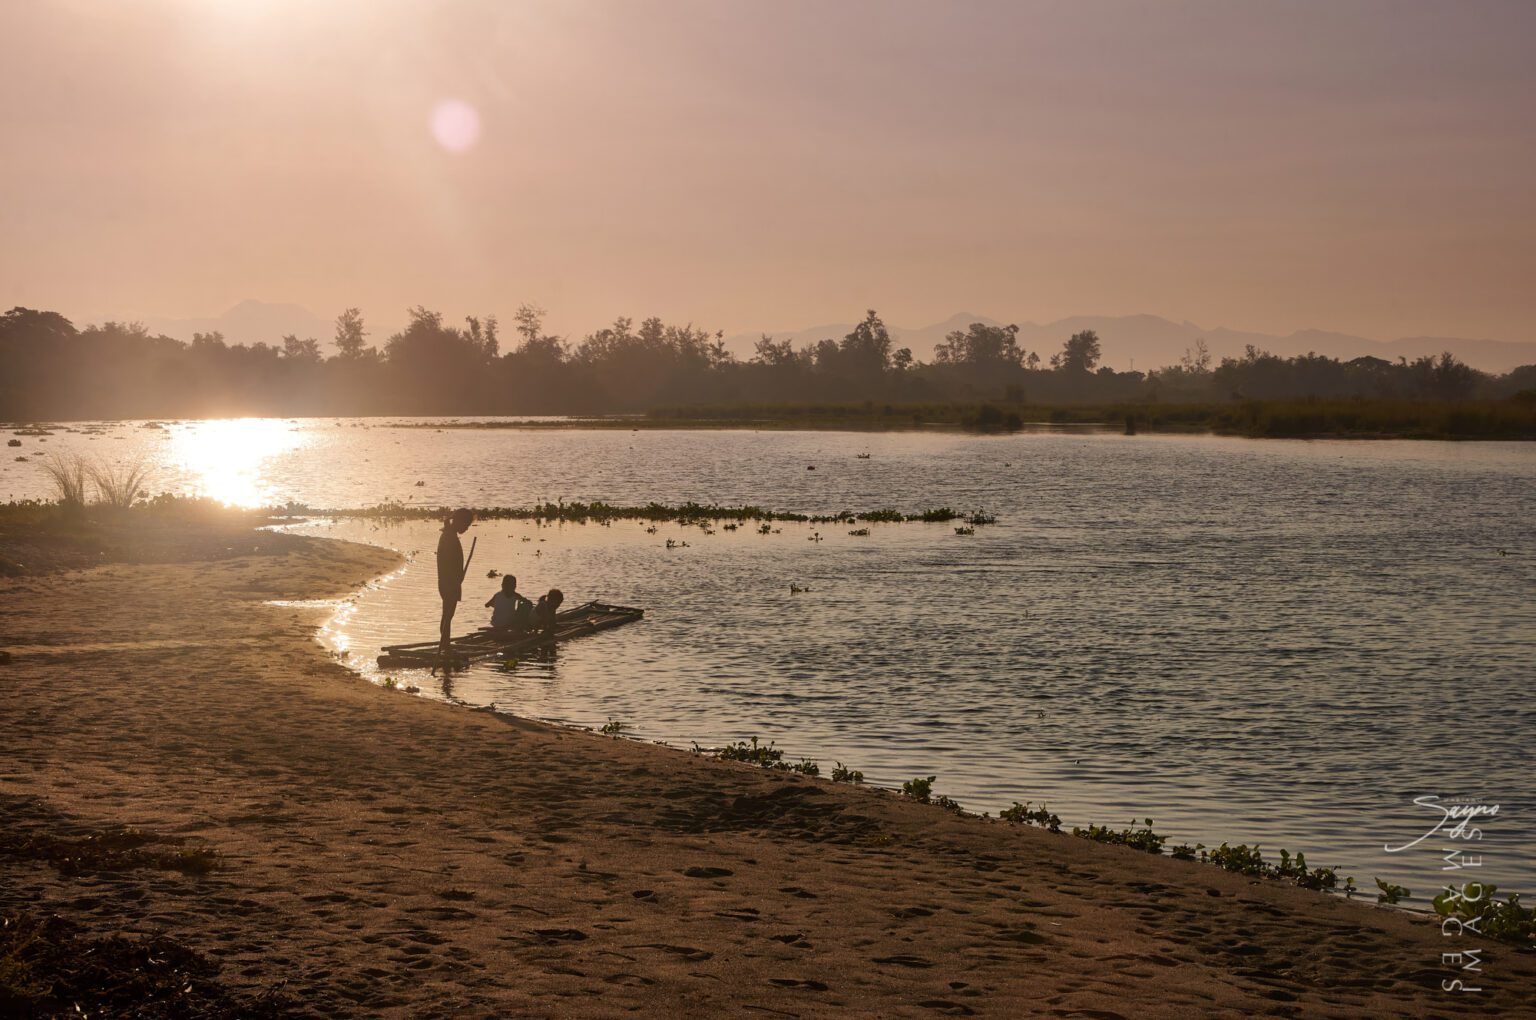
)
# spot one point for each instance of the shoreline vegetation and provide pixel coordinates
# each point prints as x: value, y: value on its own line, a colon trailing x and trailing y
x: 1505, y: 920
x: 241, y: 825
x: 1511, y: 419
x: 672, y: 375
x: 601, y: 513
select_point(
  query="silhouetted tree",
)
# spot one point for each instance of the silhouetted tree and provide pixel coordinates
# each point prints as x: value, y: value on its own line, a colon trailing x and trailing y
x: 484, y: 336
x: 1197, y: 359
x: 982, y: 347
x: 295, y: 349
x: 866, y: 352
x: 1079, y: 355
x: 350, y: 336
x: 49, y: 369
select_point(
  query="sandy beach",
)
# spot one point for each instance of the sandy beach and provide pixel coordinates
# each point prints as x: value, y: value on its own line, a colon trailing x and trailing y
x: 378, y: 854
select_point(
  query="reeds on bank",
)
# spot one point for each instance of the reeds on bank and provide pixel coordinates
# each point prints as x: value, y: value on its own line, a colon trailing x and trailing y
x: 116, y: 484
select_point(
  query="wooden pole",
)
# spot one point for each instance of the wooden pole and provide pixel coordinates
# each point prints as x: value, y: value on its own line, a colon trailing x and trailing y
x: 465, y: 573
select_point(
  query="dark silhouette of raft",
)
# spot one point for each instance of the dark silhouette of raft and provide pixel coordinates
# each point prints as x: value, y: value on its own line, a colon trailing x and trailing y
x: 489, y: 644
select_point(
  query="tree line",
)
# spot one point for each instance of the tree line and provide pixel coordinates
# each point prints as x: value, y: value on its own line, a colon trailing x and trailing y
x: 50, y: 369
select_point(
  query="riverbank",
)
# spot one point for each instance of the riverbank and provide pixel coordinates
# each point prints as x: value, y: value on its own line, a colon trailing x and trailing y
x: 369, y: 853
x: 1510, y: 419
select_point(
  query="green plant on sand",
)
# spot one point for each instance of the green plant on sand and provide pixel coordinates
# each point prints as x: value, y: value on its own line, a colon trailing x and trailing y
x: 1023, y: 814
x: 1142, y: 838
x: 843, y: 774
x: 1474, y: 906
x: 764, y: 756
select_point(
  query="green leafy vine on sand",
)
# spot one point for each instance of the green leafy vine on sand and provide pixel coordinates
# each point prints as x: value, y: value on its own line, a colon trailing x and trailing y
x: 920, y: 789
x: 1474, y: 906
x: 1143, y: 838
x: 1023, y: 814
x: 763, y: 755
x: 843, y: 774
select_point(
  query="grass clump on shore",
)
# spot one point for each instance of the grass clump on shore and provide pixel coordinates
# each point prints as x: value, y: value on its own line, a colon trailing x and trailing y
x: 67, y: 472
x: 119, y: 485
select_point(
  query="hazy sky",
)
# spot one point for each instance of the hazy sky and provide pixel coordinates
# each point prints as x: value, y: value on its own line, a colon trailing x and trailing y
x: 1360, y: 166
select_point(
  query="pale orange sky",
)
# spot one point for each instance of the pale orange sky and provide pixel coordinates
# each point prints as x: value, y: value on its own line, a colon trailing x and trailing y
x: 1365, y: 167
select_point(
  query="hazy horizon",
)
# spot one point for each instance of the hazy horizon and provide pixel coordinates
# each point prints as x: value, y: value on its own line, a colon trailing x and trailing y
x: 1359, y: 167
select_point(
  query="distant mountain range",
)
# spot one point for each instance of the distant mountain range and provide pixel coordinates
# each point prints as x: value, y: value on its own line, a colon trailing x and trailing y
x: 1153, y: 342
x: 1140, y: 341
x: 248, y: 322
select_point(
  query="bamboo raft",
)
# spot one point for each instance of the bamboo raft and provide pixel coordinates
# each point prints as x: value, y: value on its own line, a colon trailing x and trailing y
x: 489, y: 644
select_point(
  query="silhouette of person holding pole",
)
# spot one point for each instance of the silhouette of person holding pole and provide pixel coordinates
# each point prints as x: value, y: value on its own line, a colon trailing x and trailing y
x: 451, y: 570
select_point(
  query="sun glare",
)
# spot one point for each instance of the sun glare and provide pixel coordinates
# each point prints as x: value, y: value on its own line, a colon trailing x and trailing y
x: 225, y: 460
x: 455, y: 125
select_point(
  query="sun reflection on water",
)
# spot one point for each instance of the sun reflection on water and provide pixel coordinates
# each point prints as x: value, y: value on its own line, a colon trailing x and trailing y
x: 225, y: 460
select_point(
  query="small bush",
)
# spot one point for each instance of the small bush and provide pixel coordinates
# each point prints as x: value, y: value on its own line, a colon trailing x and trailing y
x: 754, y: 753
x: 1474, y: 904
x: 1391, y: 893
x: 764, y: 756
x: 1143, y: 839
x: 1023, y: 814
x: 948, y: 804
x: 1295, y: 869
x: 919, y: 789
x: 1242, y: 858
x: 843, y: 774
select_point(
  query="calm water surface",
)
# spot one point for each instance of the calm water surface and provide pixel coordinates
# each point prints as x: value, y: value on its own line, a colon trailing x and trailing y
x: 1277, y: 642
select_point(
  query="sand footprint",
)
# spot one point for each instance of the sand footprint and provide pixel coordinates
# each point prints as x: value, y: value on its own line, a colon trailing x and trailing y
x: 904, y: 960
x: 686, y: 952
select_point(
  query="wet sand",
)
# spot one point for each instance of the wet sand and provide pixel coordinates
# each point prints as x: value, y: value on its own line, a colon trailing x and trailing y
x: 384, y: 855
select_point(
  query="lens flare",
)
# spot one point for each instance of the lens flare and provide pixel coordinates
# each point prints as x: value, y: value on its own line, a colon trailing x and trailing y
x: 455, y: 125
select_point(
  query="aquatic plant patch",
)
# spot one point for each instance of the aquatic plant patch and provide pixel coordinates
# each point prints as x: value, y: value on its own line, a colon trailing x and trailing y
x: 693, y: 514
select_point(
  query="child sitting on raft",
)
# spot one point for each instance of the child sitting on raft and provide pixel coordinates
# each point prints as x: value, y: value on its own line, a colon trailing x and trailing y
x: 509, y: 610
x: 544, y: 612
